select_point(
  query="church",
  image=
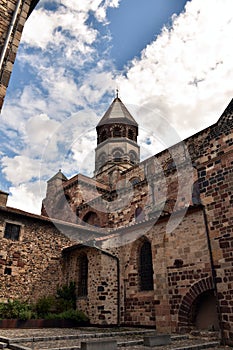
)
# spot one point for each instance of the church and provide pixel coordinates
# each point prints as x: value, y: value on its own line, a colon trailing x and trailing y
x: 147, y: 243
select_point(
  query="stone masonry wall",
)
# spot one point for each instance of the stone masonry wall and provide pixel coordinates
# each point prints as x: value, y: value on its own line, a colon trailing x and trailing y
x: 101, y: 301
x: 187, y: 245
x: 7, y: 8
x: 30, y: 267
x: 215, y: 167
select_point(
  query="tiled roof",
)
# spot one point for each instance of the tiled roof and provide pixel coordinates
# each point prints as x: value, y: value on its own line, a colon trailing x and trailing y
x: 117, y: 113
x: 26, y: 214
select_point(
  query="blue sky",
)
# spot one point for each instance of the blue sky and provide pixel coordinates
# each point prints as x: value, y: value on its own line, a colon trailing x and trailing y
x: 135, y: 24
x: 171, y: 60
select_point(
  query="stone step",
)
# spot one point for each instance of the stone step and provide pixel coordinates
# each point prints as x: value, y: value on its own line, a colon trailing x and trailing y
x: 207, y: 345
x: 130, y: 343
x: 79, y: 336
x: 127, y: 344
x: 3, y: 345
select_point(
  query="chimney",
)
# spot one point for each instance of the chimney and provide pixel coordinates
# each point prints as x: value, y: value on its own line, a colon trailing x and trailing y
x: 3, y: 198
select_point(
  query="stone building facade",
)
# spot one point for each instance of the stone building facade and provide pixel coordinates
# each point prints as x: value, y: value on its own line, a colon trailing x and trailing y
x: 164, y: 225
x: 31, y: 252
x: 13, y: 15
x: 147, y: 243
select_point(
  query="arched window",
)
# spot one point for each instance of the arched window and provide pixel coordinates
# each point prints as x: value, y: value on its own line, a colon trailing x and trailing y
x: 117, y: 132
x: 139, y: 214
x: 196, y: 199
x: 83, y: 275
x: 91, y: 218
x: 117, y: 154
x: 146, y: 267
x: 103, y: 136
x: 130, y: 134
x: 134, y: 181
x: 133, y: 157
x: 102, y: 159
x: 117, y: 157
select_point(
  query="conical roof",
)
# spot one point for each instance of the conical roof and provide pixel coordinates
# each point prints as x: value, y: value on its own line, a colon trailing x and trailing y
x: 117, y: 113
x: 59, y: 175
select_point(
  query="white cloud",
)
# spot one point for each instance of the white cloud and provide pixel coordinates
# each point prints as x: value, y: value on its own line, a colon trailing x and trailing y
x: 27, y: 196
x: 69, y: 18
x: 186, y: 72
x: 56, y: 25
x: 180, y: 84
x: 20, y: 168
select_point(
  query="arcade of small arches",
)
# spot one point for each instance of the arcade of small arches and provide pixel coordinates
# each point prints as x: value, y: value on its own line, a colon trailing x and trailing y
x: 117, y: 155
x: 117, y: 131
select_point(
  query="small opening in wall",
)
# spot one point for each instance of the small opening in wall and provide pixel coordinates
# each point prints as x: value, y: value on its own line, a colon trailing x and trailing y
x: 178, y: 262
x: 12, y: 231
x: 7, y: 271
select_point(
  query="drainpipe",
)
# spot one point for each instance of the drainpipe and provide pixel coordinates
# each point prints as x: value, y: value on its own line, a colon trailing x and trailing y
x: 213, y: 272
x: 7, y: 40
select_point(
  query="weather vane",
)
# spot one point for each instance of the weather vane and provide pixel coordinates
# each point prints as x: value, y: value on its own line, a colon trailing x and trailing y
x: 117, y: 92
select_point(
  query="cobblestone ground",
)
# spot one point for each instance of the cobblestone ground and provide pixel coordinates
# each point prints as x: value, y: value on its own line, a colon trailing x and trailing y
x: 51, y: 332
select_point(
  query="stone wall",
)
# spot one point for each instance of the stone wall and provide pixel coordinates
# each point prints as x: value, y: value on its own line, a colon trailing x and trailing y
x: 163, y: 186
x: 7, y: 8
x: 215, y: 168
x: 31, y: 266
x: 101, y: 301
x: 180, y: 260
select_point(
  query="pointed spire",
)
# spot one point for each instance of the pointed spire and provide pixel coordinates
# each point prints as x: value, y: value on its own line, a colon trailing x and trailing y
x: 117, y: 113
x: 58, y: 175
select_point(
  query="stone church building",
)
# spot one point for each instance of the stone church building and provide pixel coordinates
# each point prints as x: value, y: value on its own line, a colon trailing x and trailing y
x: 147, y: 243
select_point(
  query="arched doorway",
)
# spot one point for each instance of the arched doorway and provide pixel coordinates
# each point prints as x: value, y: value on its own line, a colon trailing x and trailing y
x: 204, y: 311
x: 198, y: 308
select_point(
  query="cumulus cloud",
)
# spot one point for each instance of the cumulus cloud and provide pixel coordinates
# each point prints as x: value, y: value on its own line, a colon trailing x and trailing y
x: 20, y: 168
x: 185, y: 74
x: 70, y: 18
x: 181, y: 83
x: 32, y: 194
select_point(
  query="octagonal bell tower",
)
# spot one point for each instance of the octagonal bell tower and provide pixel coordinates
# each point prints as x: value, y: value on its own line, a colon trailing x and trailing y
x: 117, y: 134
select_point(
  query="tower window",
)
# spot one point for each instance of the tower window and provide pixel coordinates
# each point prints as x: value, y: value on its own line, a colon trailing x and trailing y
x: 116, y: 132
x: 117, y: 157
x: 102, y: 159
x: 12, y: 231
x: 130, y: 134
x: 146, y: 267
x: 133, y: 157
x: 103, y: 136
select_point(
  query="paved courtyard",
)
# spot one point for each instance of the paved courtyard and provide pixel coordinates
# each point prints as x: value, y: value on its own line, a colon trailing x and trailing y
x: 127, y: 338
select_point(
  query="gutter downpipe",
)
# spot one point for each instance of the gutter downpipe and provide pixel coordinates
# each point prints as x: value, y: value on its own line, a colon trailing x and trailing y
x: 7, y: 40
x: 213, y: 272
